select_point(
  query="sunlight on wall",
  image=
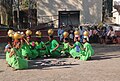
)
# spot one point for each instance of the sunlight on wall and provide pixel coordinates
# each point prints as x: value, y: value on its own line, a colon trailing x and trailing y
x: 90, y: 10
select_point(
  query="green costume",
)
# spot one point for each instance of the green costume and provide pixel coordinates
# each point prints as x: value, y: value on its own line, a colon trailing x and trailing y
x: 7, y: 56
x: 66, y: 49
x: 34, y: 51
x: 76, y: 51
x: 26, y: 50
x: 51, y: 46
x: 85, y: 55
x: 17, y: 61
x: 40, y: 49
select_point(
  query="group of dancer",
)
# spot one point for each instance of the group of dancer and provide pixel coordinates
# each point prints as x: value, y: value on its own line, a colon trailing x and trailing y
x: 22, y: 49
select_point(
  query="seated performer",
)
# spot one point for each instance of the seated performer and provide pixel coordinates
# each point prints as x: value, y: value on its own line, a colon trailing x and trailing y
x: 33, y: 50
x: 53, y: 47
x: 26, y: 52
x: 32, y: 47
x: 66, y: 48
x: 7, y: 51
x: 87, y: 50
x: 76, y: 48
x: 41, y: 48
x: 16, y: 58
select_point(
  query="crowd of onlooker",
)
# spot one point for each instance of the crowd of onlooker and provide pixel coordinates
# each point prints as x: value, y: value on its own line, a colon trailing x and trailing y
x: 104, y: 34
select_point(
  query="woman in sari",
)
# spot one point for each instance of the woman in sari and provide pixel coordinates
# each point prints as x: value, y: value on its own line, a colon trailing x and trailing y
x: 41, y: 48
x: 87, y: 50
x: 26, y: 52
x: 16, y: 58
x: 66, y: 49
x: 53, y: 47
x: 76, y: 48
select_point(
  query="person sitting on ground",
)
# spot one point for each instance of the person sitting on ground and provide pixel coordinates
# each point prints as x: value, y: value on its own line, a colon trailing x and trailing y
x: 53, y: 47
x: 35, y: 53
x: 87, y: 50
x: 16, y: 58
x: 66, y: 48
x: 26, y: 52
x: 7, y: 51
x: 41, y: 48
x: 76, y: 48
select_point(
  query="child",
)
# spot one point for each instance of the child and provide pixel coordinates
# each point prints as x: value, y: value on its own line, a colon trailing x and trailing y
x: 87, y: 50
x: 76, y: 48
x: 66, y: 48
x: 16, y: 58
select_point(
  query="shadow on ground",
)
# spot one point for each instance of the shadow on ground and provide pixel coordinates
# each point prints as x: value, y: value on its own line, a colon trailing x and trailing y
x: 47, y: 64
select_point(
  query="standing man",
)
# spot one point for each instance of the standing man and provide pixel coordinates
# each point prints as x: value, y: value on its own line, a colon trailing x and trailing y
x: 60, y: 33
x: 81, y: 33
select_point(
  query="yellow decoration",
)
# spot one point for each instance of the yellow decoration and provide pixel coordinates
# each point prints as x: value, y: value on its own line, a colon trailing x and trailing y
x: 22, y: 34
x: 86, y: 33
x: 65, y: 34
x: 50, y: 31
x: 28, y: 32
x: 76, y: 33
x: 10, y: 33
x: 17, y: 35
x: 38, y: 33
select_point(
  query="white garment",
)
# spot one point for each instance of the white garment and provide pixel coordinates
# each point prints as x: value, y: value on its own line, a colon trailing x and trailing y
x: 111, y: 33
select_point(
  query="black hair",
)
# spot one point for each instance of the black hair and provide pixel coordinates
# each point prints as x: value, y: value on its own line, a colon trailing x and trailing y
x: 81, y: 27
x: 51, y: 36
x: 38, y: 39
x: 77, y: 38
x: 85, y: 39
x: 66, y: 39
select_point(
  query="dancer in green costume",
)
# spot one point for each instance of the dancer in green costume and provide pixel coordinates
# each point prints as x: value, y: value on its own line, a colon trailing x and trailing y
x: 53, y: 47
x: 16, y: 58
x: 7, y: 51
x: 66, y: 49
x: 41, y: 48
x: 88, y: 50
x: 76, y: 48
x: 33, y: 50
x: 26, y: 52
x: 32, y: 47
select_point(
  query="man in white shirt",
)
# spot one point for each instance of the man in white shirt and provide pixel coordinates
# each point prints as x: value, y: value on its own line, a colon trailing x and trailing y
x: 81, y: 33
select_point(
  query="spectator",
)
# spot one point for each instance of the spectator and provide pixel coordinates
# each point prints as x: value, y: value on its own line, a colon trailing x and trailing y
x: 71, y: 34
x: 81, y: 33
x: 90, y: 34
x: 111, y: 34
x: 103, y: 34
x: 60, y: 33
x: 95, y: 35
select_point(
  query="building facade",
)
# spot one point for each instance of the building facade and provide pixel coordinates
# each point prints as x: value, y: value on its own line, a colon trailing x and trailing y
x: 56, y: 11
x: 5, y: 12
x: 116, y: 11
x: 90, y: 10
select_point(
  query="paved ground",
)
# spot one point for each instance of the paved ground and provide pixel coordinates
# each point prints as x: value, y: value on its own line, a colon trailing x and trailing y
x: 104, y: 66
